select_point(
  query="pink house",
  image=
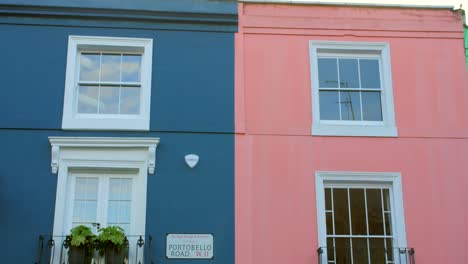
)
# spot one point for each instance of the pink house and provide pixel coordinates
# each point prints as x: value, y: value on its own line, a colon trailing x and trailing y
x: 351, y: 134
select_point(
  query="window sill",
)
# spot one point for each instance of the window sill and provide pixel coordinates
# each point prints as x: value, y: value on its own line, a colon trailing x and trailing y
x: 354, y: 130
x: 139, y: 124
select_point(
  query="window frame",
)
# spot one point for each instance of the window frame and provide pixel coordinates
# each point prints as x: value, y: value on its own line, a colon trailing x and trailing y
x: 71, y: 119
x: 391, y: 180
x: 385, y: 128
x: 134, y: 156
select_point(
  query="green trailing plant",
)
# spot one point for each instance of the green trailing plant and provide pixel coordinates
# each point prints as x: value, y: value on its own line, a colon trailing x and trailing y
x: 111, y: 238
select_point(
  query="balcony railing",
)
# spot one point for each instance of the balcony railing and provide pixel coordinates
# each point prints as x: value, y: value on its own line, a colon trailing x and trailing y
x: 54, y: 250
x: 349, y: 255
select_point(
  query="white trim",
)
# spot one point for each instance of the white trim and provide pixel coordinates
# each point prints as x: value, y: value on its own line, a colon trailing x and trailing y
x: 102, y: 155
x: 390, y: 179
x: 71, y: 120
x: 386, y: 128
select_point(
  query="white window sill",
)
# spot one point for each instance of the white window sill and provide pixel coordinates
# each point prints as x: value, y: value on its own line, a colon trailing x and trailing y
x: 354, y: 130
x: 138, y: 124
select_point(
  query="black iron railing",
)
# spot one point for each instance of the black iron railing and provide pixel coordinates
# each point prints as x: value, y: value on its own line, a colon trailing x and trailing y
x: 393, y: 255
x: 54, y: 250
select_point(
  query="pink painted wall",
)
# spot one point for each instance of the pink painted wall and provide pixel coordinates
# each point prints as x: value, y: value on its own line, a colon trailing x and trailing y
x: 276, y: 156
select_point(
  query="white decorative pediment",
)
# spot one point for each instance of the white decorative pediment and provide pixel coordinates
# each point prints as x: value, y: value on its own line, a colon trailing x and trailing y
x: 88, y: 150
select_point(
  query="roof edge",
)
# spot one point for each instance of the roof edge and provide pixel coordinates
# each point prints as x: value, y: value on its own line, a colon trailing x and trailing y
x: 306, y: 2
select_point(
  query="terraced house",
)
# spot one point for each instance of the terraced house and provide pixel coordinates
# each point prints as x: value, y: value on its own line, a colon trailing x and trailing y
x: 107, y: 107
x: 351, y: 134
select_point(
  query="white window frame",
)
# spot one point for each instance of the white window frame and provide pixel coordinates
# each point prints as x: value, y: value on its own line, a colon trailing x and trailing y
x: 355, y: 179
x: 133, y: 156
x: 72, y: 120
x: 385, y: 128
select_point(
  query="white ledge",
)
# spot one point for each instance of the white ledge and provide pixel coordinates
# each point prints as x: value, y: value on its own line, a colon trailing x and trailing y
x: 57, y: 143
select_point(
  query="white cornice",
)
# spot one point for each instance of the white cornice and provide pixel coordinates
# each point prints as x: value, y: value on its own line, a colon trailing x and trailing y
x: 149, y: 145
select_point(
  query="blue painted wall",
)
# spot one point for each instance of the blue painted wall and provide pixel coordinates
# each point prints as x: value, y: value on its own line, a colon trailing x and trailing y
x: 192, y: 111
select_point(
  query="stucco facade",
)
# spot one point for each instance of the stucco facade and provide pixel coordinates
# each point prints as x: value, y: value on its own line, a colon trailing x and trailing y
x: 192, y: 112
x: 279, y: 161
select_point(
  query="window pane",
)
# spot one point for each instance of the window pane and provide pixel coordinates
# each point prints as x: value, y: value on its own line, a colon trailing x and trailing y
x: 130, y: 101
x: 118, y: 212
x: 328, y: 75
x: 349, y: 76
x: 329, y: 223
x: 131, y: 68
x: 390, y: 250
x: 374, y: 212
x: 84, y: 211
x: 330, y: 249
x: 370, y: 73
x: 343, y: 250
x: 360, y: 251
x: 340, y: 206
x: 120, y: 189
x: 386, y: 200
x: 328, y: 199
x: 377, y: 250
x: 109, y: 100
x: 86, y: 188
x: 88, y: 99
x: 371, y: 106
x: 350, y: 106
x: 329, y: 109
x: 388, y: 224
x: 358, y: 212
x: 110, y: 69
x: 89, y: 67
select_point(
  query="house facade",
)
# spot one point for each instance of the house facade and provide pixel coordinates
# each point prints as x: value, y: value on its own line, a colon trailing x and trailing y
x: 351, y: 134
x: 118, y: 113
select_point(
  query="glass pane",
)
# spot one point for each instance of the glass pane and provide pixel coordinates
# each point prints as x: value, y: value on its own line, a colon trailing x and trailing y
x: 370, y: 73
x: 328, y: 75
x: 110, y: 68
x: 120, y: 189
x: 84, y: 211
x: 371, y: 106
x: 358, y: 212
x: 350, y: 106
x: 109, y: 100
x: 86, y: 188
x: 329, y: 223
x: 118, y: 212
x: 328, y: 199
x: 388, y: 224
x: 390, y: 251
x: 329, y: 108
x: 88, y: 99
x: 89, y: 67
x: 349, y: 75
x: 343, y: 250
x: 386, y: 200
x: 340, y: 206
x: 330, y: 249
x: 377, y: 250
x: 360, y: 250
x: 130, y: 101
x: 131, y: 68
x: 374, y: 212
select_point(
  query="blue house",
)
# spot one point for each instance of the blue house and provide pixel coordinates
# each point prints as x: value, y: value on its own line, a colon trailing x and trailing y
x: 118, y: 112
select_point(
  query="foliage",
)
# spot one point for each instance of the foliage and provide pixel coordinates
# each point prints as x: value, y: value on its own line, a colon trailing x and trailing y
x: 82, y: 236
x: 111, y: 238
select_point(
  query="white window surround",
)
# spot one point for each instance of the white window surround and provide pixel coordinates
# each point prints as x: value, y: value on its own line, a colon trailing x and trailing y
x: 346, y: 179
x: 134, y: 156
x: 71, y: 120
x: 385, y: 128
